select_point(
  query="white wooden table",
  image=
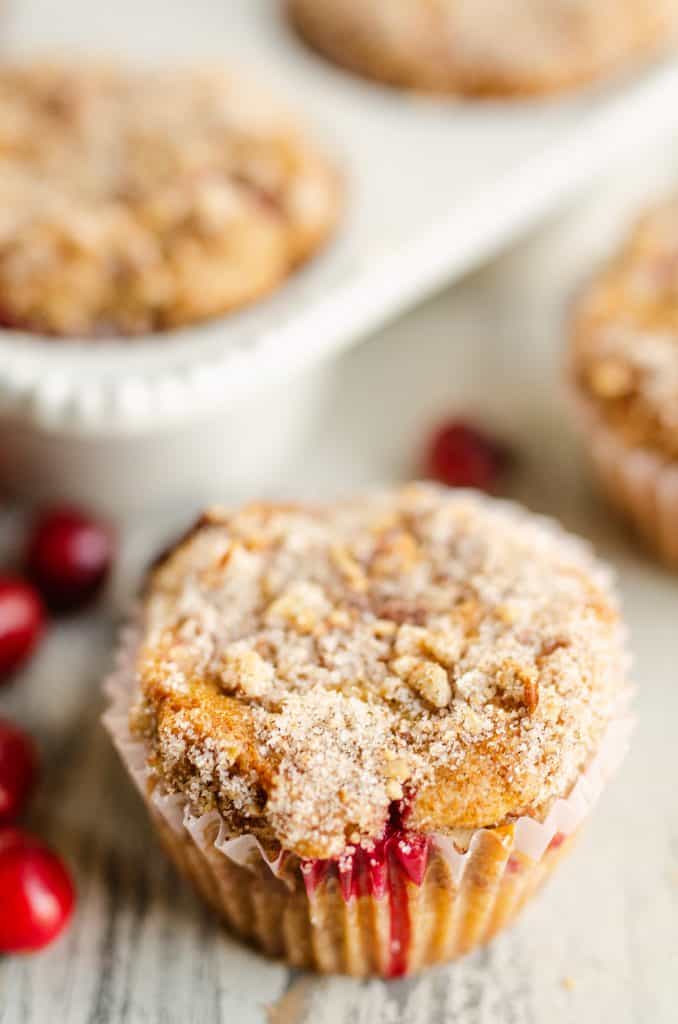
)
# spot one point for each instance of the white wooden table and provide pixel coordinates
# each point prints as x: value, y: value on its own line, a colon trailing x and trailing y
x: 601, y: 944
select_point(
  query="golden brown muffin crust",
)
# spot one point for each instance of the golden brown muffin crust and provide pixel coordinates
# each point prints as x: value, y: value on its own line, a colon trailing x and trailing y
x: 302, y: 668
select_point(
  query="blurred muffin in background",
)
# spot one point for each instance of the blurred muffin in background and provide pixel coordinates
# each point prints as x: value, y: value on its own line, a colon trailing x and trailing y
x: 137, y: 201
x: 484, y: 47
x: 624, y: 368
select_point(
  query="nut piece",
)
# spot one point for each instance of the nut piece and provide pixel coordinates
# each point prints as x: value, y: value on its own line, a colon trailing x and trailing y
x: 402, y: 667
x: 394, y: 791
x: 384, y: 629
x: 245, y: 670
x: 530, y: 693
x: 409, y: 640
x: 349, y: 568
x: 430, y: 681
x: 396, y: 553
x: 301, y: 606
x: 520, y: 683
x: 444, y: 647
x: 339, y: 618
x: 397, y: 768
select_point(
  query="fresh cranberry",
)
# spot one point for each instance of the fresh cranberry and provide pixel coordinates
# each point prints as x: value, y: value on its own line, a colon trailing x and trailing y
x: 22, y: 621
x: 69, y: 557
x: 412, y: 852
x: 18, y: 770
x: 36, y: 893
x: 10, y: 836
x: 362, y: 870
x: 459, y: 455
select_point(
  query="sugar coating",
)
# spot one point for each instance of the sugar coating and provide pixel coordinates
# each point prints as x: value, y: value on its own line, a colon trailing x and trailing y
x: 625, y: 336
x: 136, y: 201
x: 304, y: 667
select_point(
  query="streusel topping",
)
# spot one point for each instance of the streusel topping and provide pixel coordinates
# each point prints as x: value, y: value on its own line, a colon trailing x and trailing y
x: 135, y: 201
x: 626, y: 336
x: 304, y: 667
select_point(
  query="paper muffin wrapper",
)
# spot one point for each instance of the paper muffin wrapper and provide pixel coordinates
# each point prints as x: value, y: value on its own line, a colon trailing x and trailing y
x: 465, y: 897
x: 641, y: 484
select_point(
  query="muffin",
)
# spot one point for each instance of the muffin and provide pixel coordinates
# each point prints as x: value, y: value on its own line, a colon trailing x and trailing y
x: 624, y: 374
x: 367, y: 732
x: 137, y: 201
x: 484, y: 47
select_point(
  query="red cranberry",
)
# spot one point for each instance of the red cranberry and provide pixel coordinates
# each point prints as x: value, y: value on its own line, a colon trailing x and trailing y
x: 459, y: 455
x: 10, y: 836
x: 18, y: 770
x: 22, y: 621
x: 69, y: 557
x: 412, y: 853
x: 36, y: 893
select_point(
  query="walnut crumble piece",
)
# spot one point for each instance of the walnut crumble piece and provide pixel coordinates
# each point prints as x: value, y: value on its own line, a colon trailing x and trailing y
x: 302, y: 667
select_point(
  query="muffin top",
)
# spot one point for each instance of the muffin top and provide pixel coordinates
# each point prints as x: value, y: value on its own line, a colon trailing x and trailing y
x: 625, y: 336
x: 485, y: 46
x: 302, y: 668
x: 136, y: 201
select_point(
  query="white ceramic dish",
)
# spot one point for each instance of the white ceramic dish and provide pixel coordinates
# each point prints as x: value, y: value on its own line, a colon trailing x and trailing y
x: 433, y: 187
x: 226, y: 452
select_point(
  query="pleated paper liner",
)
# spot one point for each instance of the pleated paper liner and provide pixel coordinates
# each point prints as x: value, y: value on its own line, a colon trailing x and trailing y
x: 641, y: 484
x: 388, y: 917
x: 411, y: 927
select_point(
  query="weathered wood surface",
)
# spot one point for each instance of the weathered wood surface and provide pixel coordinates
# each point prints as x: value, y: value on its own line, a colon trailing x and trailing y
x: 600, y: 944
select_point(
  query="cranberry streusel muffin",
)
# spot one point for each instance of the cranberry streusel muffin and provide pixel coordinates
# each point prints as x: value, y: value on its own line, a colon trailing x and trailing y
x: 367, y: 732
x: 136, y: 201
x: 484, y: 47
x: 624, y: 368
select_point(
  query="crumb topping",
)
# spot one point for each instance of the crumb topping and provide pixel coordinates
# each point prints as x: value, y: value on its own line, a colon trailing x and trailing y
x: 304, y: 667
x: 136, y: 201
x: 626, y: 336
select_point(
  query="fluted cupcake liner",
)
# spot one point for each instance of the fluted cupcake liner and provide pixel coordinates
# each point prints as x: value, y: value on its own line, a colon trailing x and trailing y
x: 389, y: 922
x: 639, y: 482
x: 408, y: 928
